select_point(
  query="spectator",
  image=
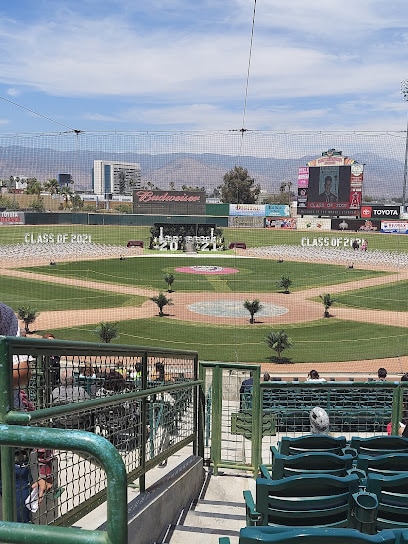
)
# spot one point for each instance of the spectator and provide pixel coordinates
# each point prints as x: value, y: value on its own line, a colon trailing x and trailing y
x: 87, y: 371
x: 364, y: 245
x: 159, y: 374
x: 319, y: 421
x: 245, y: 393
x: 114, y: 383
x: 119, y: 423
x: 266, y: 377
x: 136, y: 374
x: 53, y: 363
x: 68, y: 393
x: 404, y: 378
x: 382, y: 374
x: 313, y: 376
x: 403, y: 430
x: 44, y: 458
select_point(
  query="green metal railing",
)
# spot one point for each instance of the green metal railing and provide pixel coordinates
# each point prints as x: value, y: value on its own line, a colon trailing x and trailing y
x: 239, y: 436
x: 197, y: 405
x: 168, y: 416
x: 100, y: 449
x: 219, y: 404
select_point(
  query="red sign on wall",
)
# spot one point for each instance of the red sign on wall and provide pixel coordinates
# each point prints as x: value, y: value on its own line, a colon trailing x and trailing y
x: 366, y: 212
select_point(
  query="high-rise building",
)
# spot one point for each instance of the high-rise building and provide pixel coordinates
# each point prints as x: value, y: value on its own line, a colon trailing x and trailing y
x: 115, y: 178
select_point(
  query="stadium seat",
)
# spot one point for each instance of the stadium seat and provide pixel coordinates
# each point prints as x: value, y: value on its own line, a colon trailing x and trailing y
x: 392, y: 495
x: 313, y: 500
x: 379, y: 445
x: 316, y: 442
x: 313, y: 535
x: 314, y: 462
x: 390, y: 464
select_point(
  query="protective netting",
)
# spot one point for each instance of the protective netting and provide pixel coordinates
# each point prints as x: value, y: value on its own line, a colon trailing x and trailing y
x: 202, y: 158
x: 121, y: 290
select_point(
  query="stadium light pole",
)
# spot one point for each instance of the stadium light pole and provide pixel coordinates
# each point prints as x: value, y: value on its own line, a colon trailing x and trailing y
x: 404, y: 92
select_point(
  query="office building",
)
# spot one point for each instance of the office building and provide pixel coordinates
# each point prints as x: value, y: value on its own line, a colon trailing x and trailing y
x: 115, y: 178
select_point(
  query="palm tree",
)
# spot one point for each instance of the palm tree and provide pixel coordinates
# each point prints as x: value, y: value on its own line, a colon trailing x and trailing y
x: 76, y: 201
x: 328, y: 301
x: 34, y: 187
x: 161, y: 300
x: 66, y: 193
x: 278, y: 341
x: 286, y: 186
x: 52, y: 186
x: 169, y: 279
x: 284, y: 283
x: 107, y: 331
x: 253, y: 308
x: 28, y: 315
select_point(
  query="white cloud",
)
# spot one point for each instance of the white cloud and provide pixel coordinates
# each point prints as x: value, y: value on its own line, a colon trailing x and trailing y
x: 172, y: 61
x: 13, y: 92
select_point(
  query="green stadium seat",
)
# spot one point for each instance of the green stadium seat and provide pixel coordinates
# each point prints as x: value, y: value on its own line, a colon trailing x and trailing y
x: 314, y: 462
x: 392, y: 495
x: 390, y: 464
x: 313, y: 535
x: 313, y: 500
x: 314, y: 442
x: 379, y: 445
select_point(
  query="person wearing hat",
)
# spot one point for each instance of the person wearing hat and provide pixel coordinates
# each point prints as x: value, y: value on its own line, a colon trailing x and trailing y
x: 319, y: 421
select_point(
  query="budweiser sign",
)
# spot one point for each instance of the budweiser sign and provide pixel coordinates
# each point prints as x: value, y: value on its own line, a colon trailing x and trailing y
x: 146, y: 196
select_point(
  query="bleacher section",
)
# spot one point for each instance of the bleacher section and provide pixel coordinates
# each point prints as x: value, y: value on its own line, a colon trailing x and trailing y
x: 310, y: 535
x: 327, y: 489
x: 350, y: 408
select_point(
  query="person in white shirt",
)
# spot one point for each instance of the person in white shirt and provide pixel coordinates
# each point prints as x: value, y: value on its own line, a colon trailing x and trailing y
x: 313, y: 376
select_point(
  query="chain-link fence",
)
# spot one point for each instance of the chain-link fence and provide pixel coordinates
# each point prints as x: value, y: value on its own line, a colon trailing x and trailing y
x: 143, y: 401
x: 245, y: 416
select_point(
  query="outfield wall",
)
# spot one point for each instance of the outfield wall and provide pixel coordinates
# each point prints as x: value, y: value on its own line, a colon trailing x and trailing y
x: 244, y: 221
x: 125, y: 220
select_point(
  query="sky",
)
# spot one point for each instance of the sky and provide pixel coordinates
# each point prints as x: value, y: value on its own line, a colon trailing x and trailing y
x: 185, y: 65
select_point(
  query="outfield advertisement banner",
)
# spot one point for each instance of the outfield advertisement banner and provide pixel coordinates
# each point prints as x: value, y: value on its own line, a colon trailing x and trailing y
x: 249, y: 221
x: 399, y: 227
x: 12, y: 218
x: 277, y: 210
x: 312, y: 223
x: 168, y: 202
x: 356, y: 225
x: 280, y: 222
x: 380, y: 212
x: 247, y: 209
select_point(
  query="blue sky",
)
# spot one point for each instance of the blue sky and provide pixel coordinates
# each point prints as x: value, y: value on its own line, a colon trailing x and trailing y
x: 167, y: 65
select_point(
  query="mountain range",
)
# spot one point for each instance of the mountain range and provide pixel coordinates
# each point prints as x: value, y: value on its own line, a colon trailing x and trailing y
x: 383, y: 177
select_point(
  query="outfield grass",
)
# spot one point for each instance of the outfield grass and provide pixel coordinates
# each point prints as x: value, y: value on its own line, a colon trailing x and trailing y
x: 110, y: 234
x: 322, y: 341
x: 391, y: 297
x: 255, y: 275
x: 51, y: 296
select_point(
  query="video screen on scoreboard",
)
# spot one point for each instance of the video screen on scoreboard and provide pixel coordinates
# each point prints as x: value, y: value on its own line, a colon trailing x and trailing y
x: 328, y: 190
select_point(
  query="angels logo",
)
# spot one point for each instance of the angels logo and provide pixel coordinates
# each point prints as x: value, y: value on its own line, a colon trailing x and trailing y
x: 366, y: 211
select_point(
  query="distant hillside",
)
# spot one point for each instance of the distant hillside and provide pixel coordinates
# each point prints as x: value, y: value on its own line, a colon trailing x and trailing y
x: 383, y: 177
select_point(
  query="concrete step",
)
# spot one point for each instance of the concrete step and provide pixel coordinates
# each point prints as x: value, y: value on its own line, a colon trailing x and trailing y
x: 220, y: 511
x: 208, y: 521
